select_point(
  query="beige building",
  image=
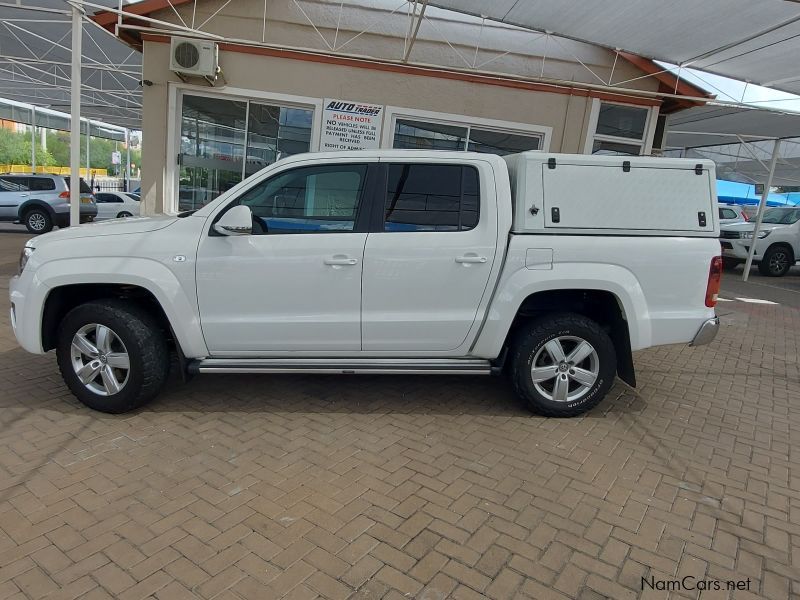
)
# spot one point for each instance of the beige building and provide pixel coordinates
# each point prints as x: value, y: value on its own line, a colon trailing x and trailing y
x: 308, y: 75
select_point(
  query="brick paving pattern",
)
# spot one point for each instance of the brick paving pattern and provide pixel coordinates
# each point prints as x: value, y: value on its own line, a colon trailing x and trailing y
x: 267, y: 487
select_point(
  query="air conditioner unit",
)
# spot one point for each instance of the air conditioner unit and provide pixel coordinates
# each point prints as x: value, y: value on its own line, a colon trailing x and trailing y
x: 193, y: 57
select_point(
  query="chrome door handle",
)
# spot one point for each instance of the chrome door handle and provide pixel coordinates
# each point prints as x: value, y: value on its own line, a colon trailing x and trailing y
x: 471, y: 259
x: 341, y: 261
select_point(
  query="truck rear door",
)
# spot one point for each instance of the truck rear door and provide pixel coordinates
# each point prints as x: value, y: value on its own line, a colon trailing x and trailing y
x: 428, y: 257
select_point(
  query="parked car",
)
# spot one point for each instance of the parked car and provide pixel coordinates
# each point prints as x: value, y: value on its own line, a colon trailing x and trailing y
x: 732, y: 213
x: 41, y: 201
x: 777, y: 246
x: 116, y: 205
x: 388, y: 261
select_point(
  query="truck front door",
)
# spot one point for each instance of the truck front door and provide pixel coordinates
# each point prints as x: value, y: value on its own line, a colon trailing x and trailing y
x: 295, y: 283
x: 427, y: 266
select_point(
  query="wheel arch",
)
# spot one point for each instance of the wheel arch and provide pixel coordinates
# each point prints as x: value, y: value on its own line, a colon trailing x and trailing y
x: 601, y: 306
x: 35, y: 203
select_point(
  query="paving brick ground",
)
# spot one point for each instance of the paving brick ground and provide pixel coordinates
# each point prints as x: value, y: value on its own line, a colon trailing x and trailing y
x: 430, y: 488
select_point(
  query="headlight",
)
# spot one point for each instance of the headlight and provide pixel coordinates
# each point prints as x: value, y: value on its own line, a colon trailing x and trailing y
x: 24, y: 256
x: 748, y: 235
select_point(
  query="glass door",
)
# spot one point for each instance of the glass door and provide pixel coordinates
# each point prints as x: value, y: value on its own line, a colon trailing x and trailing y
x: 224, y: 141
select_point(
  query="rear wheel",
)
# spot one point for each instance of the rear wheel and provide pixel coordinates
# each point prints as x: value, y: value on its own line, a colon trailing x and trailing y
x: 112, y: 355
x: 776, y: 262
x: 563, y: 365
x: 38, y: 220
x: 124, y: 215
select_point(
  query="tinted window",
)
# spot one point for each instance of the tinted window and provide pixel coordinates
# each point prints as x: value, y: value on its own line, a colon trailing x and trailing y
x: 108, y: 198
x: 622, y: 121
x: 85, y: 189
x: 428, y: 136
x: 308, y: 200
x: 10, y: 183
x: 500, y: 142
x: 42, y: 184
x: 431, y: 198
x: 727, y: 213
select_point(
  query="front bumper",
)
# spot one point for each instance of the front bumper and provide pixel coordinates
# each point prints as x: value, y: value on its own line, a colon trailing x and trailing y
x: 706, y: 333
x: 737, y: 249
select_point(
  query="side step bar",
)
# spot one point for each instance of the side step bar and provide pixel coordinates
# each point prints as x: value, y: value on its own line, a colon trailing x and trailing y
x: 360, y: 366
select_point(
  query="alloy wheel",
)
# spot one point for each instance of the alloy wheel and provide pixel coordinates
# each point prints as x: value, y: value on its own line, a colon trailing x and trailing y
x: 100, y: 359
x: 565, y: 368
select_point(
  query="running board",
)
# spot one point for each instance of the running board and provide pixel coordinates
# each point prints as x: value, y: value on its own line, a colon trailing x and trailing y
x: 362, y: 366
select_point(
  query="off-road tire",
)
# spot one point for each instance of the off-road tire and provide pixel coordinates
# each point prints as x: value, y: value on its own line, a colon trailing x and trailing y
x: 145, y: 344
x: 534, y: 335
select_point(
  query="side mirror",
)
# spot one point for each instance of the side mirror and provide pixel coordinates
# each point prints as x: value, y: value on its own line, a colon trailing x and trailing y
x: 237, y: 221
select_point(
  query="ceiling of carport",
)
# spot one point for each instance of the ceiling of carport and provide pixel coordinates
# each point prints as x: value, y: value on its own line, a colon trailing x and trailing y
x: 749, y: 40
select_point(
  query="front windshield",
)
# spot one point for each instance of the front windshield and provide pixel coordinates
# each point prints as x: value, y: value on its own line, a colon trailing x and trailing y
x: 782, y: 216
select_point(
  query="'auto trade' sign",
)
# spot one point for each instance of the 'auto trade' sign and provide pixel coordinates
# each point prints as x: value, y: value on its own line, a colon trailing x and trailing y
x: 350, y: 125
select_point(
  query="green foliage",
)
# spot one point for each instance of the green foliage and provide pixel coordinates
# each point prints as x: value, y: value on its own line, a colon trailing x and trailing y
x: 15, y: 149
x: 99, y: 152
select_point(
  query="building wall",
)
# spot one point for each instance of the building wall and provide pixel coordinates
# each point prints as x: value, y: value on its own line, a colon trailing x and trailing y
x: 509, y: 50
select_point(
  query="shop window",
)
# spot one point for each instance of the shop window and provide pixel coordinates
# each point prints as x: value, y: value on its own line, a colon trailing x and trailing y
x: 432, y: 135
x: 620, y: 130
x: 225, y: 140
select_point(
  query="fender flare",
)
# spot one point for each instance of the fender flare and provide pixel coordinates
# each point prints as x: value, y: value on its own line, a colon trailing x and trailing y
x: 150, y: 275
x: 516, y: 287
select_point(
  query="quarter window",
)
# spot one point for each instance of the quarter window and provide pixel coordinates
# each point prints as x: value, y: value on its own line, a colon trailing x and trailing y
x: 423, y: 197
x: 321, y: 199
x: 42, y: 184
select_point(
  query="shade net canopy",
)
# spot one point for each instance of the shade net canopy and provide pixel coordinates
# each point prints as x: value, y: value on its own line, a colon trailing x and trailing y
x: 749, y: 40
x: 35, y: 57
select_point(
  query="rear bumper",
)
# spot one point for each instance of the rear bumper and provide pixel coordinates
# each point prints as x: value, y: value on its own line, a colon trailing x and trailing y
x: 707, y: 332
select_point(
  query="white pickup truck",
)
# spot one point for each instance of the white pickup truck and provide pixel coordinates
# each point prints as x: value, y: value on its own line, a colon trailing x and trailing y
x: 552, y: 268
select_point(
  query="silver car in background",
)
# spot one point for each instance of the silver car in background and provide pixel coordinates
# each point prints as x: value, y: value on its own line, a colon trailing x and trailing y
x: 41, y: 202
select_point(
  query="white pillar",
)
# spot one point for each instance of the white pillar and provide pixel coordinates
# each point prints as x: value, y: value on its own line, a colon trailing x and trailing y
x: 88, y: 151
x: 33, y: 139
x: 761, y: 206
x: 75, y: 120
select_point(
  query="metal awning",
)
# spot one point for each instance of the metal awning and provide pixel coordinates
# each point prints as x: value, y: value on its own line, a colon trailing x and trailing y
x: 749, y: 40
x: 35, y: 56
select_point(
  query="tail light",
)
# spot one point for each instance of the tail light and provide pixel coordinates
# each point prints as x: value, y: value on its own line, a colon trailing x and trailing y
x: 714, y: 280
x: 746, y: 217
x: 64, y: 195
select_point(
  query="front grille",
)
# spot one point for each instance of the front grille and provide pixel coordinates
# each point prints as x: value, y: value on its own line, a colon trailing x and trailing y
x: 730, y: 235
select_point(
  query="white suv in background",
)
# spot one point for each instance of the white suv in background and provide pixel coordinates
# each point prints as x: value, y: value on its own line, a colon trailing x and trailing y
x: 41, y: 201
x: 777, y: 247
x: 732, y: 213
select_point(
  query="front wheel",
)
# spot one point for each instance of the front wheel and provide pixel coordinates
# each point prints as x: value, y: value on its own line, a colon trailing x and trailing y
x: 112, y: 355
x: 776, y: 262
x: 563, y: 364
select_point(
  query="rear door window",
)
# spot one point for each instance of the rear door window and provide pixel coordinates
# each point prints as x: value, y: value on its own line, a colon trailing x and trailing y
x: 431, y: 197
x: 14, y: 183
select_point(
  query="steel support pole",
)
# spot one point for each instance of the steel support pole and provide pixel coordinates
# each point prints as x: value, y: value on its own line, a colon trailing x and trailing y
x: 33, y: 139
x: 776, y: 148
x: 127, y: 160
x: 75, y: 120
x: 88, y: 152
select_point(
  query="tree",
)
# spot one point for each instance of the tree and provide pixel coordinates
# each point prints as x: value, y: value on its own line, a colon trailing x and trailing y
x: 15, y: 149
x: 58, y: 142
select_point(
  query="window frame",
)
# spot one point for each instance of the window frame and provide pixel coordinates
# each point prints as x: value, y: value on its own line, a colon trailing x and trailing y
x: 393, y: 113
x: 364, y: 212
x: 378, y: 221
x: 645, y: 143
